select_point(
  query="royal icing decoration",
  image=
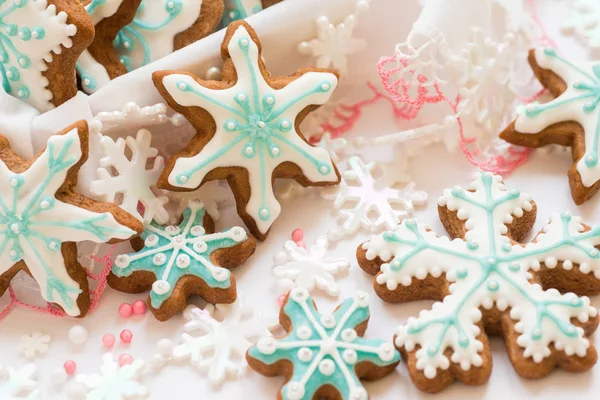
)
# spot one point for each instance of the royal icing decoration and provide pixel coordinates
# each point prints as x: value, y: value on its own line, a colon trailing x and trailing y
x: 132, y: 179
x: 173, y: 252
x: 255, y: 128
x: 488, y: 270
x: 578, y: 103
x: 240, y: 9
x: 324, y: 349
x: 32, y: 34
x: 36, y: 224
x: 34, y: 344
x: 297, y: 267
x: 151, y: 34
x: 19, y: 383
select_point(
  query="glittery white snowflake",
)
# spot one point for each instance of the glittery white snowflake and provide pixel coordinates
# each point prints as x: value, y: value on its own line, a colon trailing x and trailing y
x: 584, y: 21
x: 19, y: 383
x: 360, y: 196
x: 34, y: 344
x: 216, y: 339
x: 132, y: 179
x: 115, y: 382
x: 299, y: 267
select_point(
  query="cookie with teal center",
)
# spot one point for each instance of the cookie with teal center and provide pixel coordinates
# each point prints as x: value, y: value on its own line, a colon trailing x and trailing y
x: 323, y: 356
x: 175, y: 262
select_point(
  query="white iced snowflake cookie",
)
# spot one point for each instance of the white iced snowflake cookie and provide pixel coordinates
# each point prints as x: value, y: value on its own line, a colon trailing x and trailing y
x: 485, y: 278
x: 254, y: 138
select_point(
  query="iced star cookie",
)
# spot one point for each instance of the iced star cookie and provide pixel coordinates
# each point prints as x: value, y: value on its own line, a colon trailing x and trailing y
x: 485, y: 283
x: 41, y: 41
x: 42, y: 218
x: 162, y: 26
x: 323, y: 356
x: 247, y: 128
x: 100, y: 63
x: 572, y: 119
x: 176, y: 262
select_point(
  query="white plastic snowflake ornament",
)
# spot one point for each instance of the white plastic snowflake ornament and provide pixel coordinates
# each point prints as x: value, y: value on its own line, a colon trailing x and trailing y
x: 360, y: 195
x: 584, y: 21
x: 34, y: 344
x: 492, y: 279
x: 133, y: 180
x: 115, y: 382
x: 337, y: 147
x: 219, y: 346
x: 19, y: 384
x: 309, y: 269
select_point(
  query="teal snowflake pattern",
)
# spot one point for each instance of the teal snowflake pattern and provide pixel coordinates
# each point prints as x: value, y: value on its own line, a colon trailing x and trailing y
x: 324, y: 349
x: 36, y: 220
x: 487, y: 269
x: 174, y: 252
x: 255, y: 128
x: 30, y: 32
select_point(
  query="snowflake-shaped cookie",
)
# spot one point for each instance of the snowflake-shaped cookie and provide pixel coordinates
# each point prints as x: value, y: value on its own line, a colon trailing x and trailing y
x: 323, y: 350
x: 360, y: 196
x: 115, y: 382
x: 19, y: 383
x: 178, y: 261
x: 256, y: 137
x: 572, y: 119
x: 34, y: 344
x: 36, y: 38
x: 217, y: 345
x: 132, y: 179
x: 298, y: 267
x: 584, y: 21
x: 485, y: 279
x: 42, y: 218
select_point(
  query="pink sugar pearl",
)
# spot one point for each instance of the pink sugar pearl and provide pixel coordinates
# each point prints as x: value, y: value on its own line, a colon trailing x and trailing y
x: 125, y: 359
x: 108, y: 340
x: 125, y: 310
x: 297, y: 235
x: 139, y: 307
x: 280, y: 300
x: 126, y: 336
x: 70, y: 367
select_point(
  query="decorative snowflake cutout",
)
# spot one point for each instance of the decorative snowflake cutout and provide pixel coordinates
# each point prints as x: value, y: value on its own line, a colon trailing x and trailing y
x: 132, y: 115
x: 213, y: 194
x: 360, y: 195
x: 219, y: 346
x: 255, y: 128
x: 337, y: 147
x: 132, y: 179
x: 19, y: 384
x: 175, y: 252
x: 334, y: 43
x: 487, y: 269
x: 584, y: 21
x: 240, y: 9
x: 33, y: 34
x: 298, y: 267
x: 34, y: 344
x: 323, y: 349
x: 115, y: 382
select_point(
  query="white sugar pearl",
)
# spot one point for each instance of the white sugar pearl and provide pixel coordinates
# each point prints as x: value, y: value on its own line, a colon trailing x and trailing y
x: 78, y: 334
x: 165, y: 347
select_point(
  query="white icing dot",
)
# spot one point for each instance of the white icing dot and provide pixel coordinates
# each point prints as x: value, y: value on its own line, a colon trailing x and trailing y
x: 328, y: 321
x: 285, y: 124
x: 122, y: 261
x: 15, y: 228
x: 386, y: 352
x: 241, y: 97
x: 349, y: 335
x: 197, y: 230
x: 325, y: 87
x: 358, y: 393
x: 183, y: 261
x: 159, y: 259
x: 275, y: 151
x: 295, y: 391
x: 350, y: 356
x: 161, y: 287
x: 324, y: 169
x: 244, y: 42
x: 261, y: 124
x: 304, y: 332
x: 220, y: 274
x: 264, y: 213
x: 44, y: 204
x: 172, y: 230
x: 266, y: 345
x: 249, y: 151
x: 12, y: 254
x: 305, y: 354
x: 231, y: 126
x: 299, y: 295
x: 13, y: 182
x: 200, y: 247
x: 327, y: 367
x: 151, y: 240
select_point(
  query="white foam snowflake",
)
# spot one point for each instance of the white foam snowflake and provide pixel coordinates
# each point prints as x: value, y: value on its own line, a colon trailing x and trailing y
x: 115, y: 382
x: 34, y: 344
x: 19, y: 383
x: 360, y: 196
x: 296, y: 266
x: 132, y: 179
x: 216, y: 339
x: 584, y: 21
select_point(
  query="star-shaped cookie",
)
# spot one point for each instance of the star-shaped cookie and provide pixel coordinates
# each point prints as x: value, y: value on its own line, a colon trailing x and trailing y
x: 248, y: 128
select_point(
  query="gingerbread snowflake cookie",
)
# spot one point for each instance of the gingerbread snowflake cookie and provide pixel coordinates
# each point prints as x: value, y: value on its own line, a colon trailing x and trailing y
x: 42, y: 218
x: 41, y: 41
x: 487, y: 283
x: 247, y: 129
x: 323, y: 356
x: 572, y: 119
x: 175, y: 262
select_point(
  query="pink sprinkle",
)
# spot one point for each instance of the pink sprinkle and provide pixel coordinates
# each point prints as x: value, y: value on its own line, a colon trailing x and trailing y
x: 280, y: 300
x: 297, y: 235
x: 125, y: 359
x: 108, y: 340
x: 126, y: 336
x: 139, y: 307
x: 300, y: 243
x: 125, y: 310
x: 70, y: 367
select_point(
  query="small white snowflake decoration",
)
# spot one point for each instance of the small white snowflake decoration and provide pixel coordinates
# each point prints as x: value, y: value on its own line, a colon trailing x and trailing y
x: 19, y: 383
x: 34, y: 344
x: 298, y: 267
x: 115, y: 382
x: 373, y: 204
x: 132, y: 179
x: 219, y: 346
